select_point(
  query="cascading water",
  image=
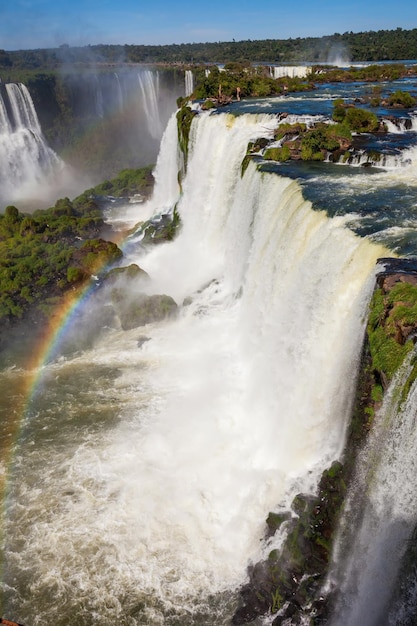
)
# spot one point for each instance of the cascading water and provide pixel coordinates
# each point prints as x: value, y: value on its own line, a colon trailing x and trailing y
x: 149, y: 86
x: 189, y: 82
x: 380, y: 517
x: 24, y: 113
x: 27, y: 163
x: 292, y: 71
x: 146, y: 506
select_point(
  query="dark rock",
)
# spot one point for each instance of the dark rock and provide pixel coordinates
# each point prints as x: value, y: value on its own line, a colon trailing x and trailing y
x: 274, y: 521
x: 128, y: 273
x: 143, y: 309
x: 142, y: 339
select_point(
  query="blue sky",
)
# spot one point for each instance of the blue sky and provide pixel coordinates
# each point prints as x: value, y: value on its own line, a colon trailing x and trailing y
x: 50, y: 23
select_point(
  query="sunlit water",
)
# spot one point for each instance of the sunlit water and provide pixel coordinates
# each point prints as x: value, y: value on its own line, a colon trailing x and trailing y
x: 142, y: 472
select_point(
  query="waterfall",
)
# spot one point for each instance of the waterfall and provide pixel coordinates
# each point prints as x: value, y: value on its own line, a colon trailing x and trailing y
x: 189, y: 82
x: 149, y: 87
x: 99, y: 100
x: 120, y: 99
x: 27, y: 163
x: 22, y: 107
x: 5, y: 126
x: 224, y: 414
x: 292, y: 71
x: 381, y: 514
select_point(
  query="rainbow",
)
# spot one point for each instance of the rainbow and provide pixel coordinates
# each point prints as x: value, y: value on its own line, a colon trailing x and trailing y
x: 28, y: 381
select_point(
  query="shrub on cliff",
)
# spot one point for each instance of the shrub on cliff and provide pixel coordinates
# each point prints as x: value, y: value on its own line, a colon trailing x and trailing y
x: 392, y: 321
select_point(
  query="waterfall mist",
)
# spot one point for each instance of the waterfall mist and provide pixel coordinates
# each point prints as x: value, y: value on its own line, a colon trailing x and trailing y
x: 30, y: 171
x: 120, y: 114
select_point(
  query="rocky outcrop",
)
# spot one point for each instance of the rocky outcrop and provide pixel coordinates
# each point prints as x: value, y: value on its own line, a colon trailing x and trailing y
x: 287, y: 584
x: 133, y: 307
x: 142, y: 309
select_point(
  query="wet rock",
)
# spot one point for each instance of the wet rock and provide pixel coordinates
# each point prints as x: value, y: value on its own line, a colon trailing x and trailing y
x: 142, y: 309
x: 142, y: 339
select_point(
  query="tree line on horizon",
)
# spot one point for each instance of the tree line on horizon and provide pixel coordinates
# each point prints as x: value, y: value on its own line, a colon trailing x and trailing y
x: 382, y: 45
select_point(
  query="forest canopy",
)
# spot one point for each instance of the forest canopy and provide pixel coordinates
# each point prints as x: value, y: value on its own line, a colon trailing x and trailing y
x: 382, y: 45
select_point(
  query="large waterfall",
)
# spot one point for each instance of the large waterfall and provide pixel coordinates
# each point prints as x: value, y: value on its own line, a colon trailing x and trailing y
x: 27, y: 163
x: 143, y: 475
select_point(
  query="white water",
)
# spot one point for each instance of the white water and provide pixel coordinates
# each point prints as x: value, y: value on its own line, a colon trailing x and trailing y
x: 189, y: 82
x: 401, y: 126
x: 292, y: 71
x: 383, y: 510
x: 119, y: 92
x: 28, y: 166
x: 22, y: 107
x: 224, y: 414
x: 149, y: 87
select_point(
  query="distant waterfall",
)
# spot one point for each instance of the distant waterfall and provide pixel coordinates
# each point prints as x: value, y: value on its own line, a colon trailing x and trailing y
x: 381, y: 516
x: 27, y: 163
x: 292, y: 71
x: 24, y: 113
x: 119, y: 92
x: 149, y: 86
x: 99, y: 99
x: 136, y: 102
x: 189, y: 82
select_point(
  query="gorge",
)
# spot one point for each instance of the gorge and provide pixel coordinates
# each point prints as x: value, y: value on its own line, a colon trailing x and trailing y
x: 141, y: 469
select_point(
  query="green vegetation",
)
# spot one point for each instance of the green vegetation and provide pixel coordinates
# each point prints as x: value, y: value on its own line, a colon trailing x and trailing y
x: 164, y: 229
x: 300, y: 142
x: 185, y: 116
x: 370, y: 73
x: 127, y: 183
x: 382, y: 45
x: 315, y: 143
x: 44, y: 254
x: 292, y: 576
x: 402, y: 99
x: 361, y: 121
x: 252, y: 81
x: 354, y: 119
x: 278, y: 154
x: 392, y: 319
